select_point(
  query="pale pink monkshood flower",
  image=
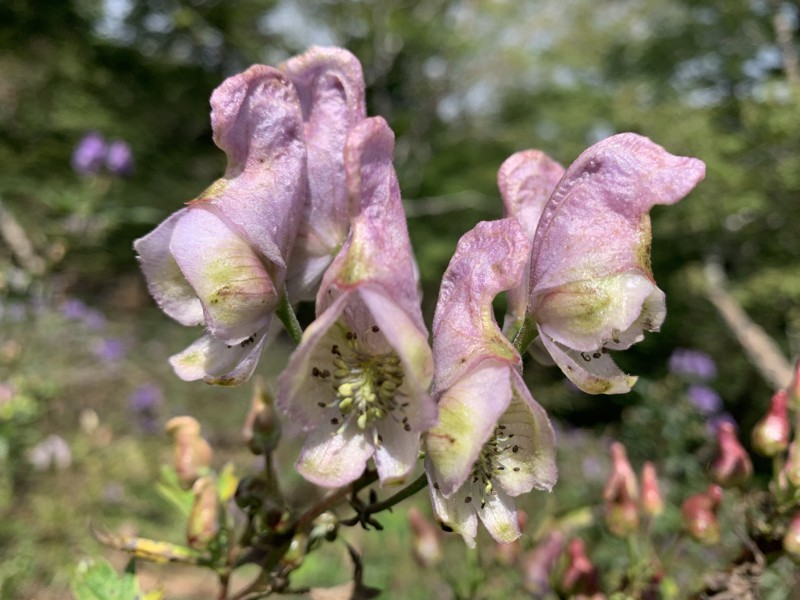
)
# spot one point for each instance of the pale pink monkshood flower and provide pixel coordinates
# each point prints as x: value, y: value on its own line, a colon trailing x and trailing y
x: 221, y: 261
x: 493, y: 441
x: 358, y: 382
x: 591, y: 285
x: 330, y: 86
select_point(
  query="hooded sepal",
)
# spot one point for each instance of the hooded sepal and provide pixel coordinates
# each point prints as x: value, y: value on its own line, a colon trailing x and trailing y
x: 330, y: 85
x: 591, y: 282
x: 526, y: 180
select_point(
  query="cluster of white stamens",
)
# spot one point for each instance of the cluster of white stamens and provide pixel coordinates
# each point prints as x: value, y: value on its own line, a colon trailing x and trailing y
x: 366, y: 385
x: 490, y: 463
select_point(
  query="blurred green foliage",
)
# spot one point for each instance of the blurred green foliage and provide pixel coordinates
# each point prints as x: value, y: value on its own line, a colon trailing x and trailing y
x: 464, y: 84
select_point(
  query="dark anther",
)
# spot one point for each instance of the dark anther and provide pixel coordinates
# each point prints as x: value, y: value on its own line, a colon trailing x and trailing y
x: 515, y: 449
x: 468, y: 499
x: 334, y: 421
x: 375, y: 329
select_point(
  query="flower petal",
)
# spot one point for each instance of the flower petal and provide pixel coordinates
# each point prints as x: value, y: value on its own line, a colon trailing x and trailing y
x: 397, y: 453
x: 330, y: 86
x: 533, y: 464
x: 594, y: 238
x: 488, y: 260
x: 410, y: 343
x: 218, y: 363
x: 526, y: 181
x: 468, y: 412
x: 453, y: 512
x: 378, y: 249
x: 166, y: 282
x: 300, y: 388
x: 614, y: 308
x: 233, y: 285
x: 258, y: 122
x: 499, y: 516
x: 593, y: 372
x: 333, y: 459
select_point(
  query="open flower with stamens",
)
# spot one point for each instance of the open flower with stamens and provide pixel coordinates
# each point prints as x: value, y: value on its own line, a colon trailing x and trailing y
x: 221, y: 261
x: 591, y: 286
x: 330, y: 86
x: 493, y: 441
x: 358, y: 380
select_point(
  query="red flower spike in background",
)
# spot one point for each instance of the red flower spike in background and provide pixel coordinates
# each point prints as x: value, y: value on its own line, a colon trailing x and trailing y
x: 771, y: 434
x: 652, y: 500
x: 732, y: 467
x: 700, y: 515
x: 621, y: 494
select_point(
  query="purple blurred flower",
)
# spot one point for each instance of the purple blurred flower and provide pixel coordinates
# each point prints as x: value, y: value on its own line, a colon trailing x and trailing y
x: 110, y: 350
x: 146, y: 397
x: 692, y: 364
x: 89, y: 154
x: 74, y: 309
x: 119, y: 158
x: 94, y: 319
x: 704, y: 399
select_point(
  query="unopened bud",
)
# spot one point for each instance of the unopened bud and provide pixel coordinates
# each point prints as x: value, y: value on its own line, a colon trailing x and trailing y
x: 262, y: 427
x: 652, y: 502
x: 580, y: 575
x: 733, y: 467
x: 298, y: 548
x: 621, y: 493
x: 508, y: 553
x: 700, y: 515
x: 192, y: 454
x: 537, y: 565
x: 426, y: 548
x: 203, y: 524
x: 791, y: 541
x: 771, y: 434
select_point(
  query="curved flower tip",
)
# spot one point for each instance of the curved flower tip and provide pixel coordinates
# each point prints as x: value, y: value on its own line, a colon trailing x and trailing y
x: 592, y: 288
x: 330, y: 85
x: 222, y: 260
x: 358, y: 382
x: 526, y: 181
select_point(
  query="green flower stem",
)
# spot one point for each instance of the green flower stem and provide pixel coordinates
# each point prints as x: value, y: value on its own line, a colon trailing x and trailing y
x: 526, y: 334
x: 288, y: 318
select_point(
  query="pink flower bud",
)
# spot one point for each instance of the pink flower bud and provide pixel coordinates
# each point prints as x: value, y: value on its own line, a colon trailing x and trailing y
x: 426, y: 546
x: 621, y: 493
x: 192, y: 454
x: 652, y: 502
x: 733, y: 467
x: 203, y: 524
x: 537, y: 565
x: 771, y: 433
x: 580, y: 576
x: 700, y: 515
x: 791, y: 541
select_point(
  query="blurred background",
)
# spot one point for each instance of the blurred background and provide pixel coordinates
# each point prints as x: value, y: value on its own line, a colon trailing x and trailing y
x: 104, y: 131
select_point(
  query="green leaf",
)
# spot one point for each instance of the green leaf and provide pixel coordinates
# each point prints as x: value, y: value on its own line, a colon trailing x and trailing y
x: 169, y: 488
x: 97, y: 580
